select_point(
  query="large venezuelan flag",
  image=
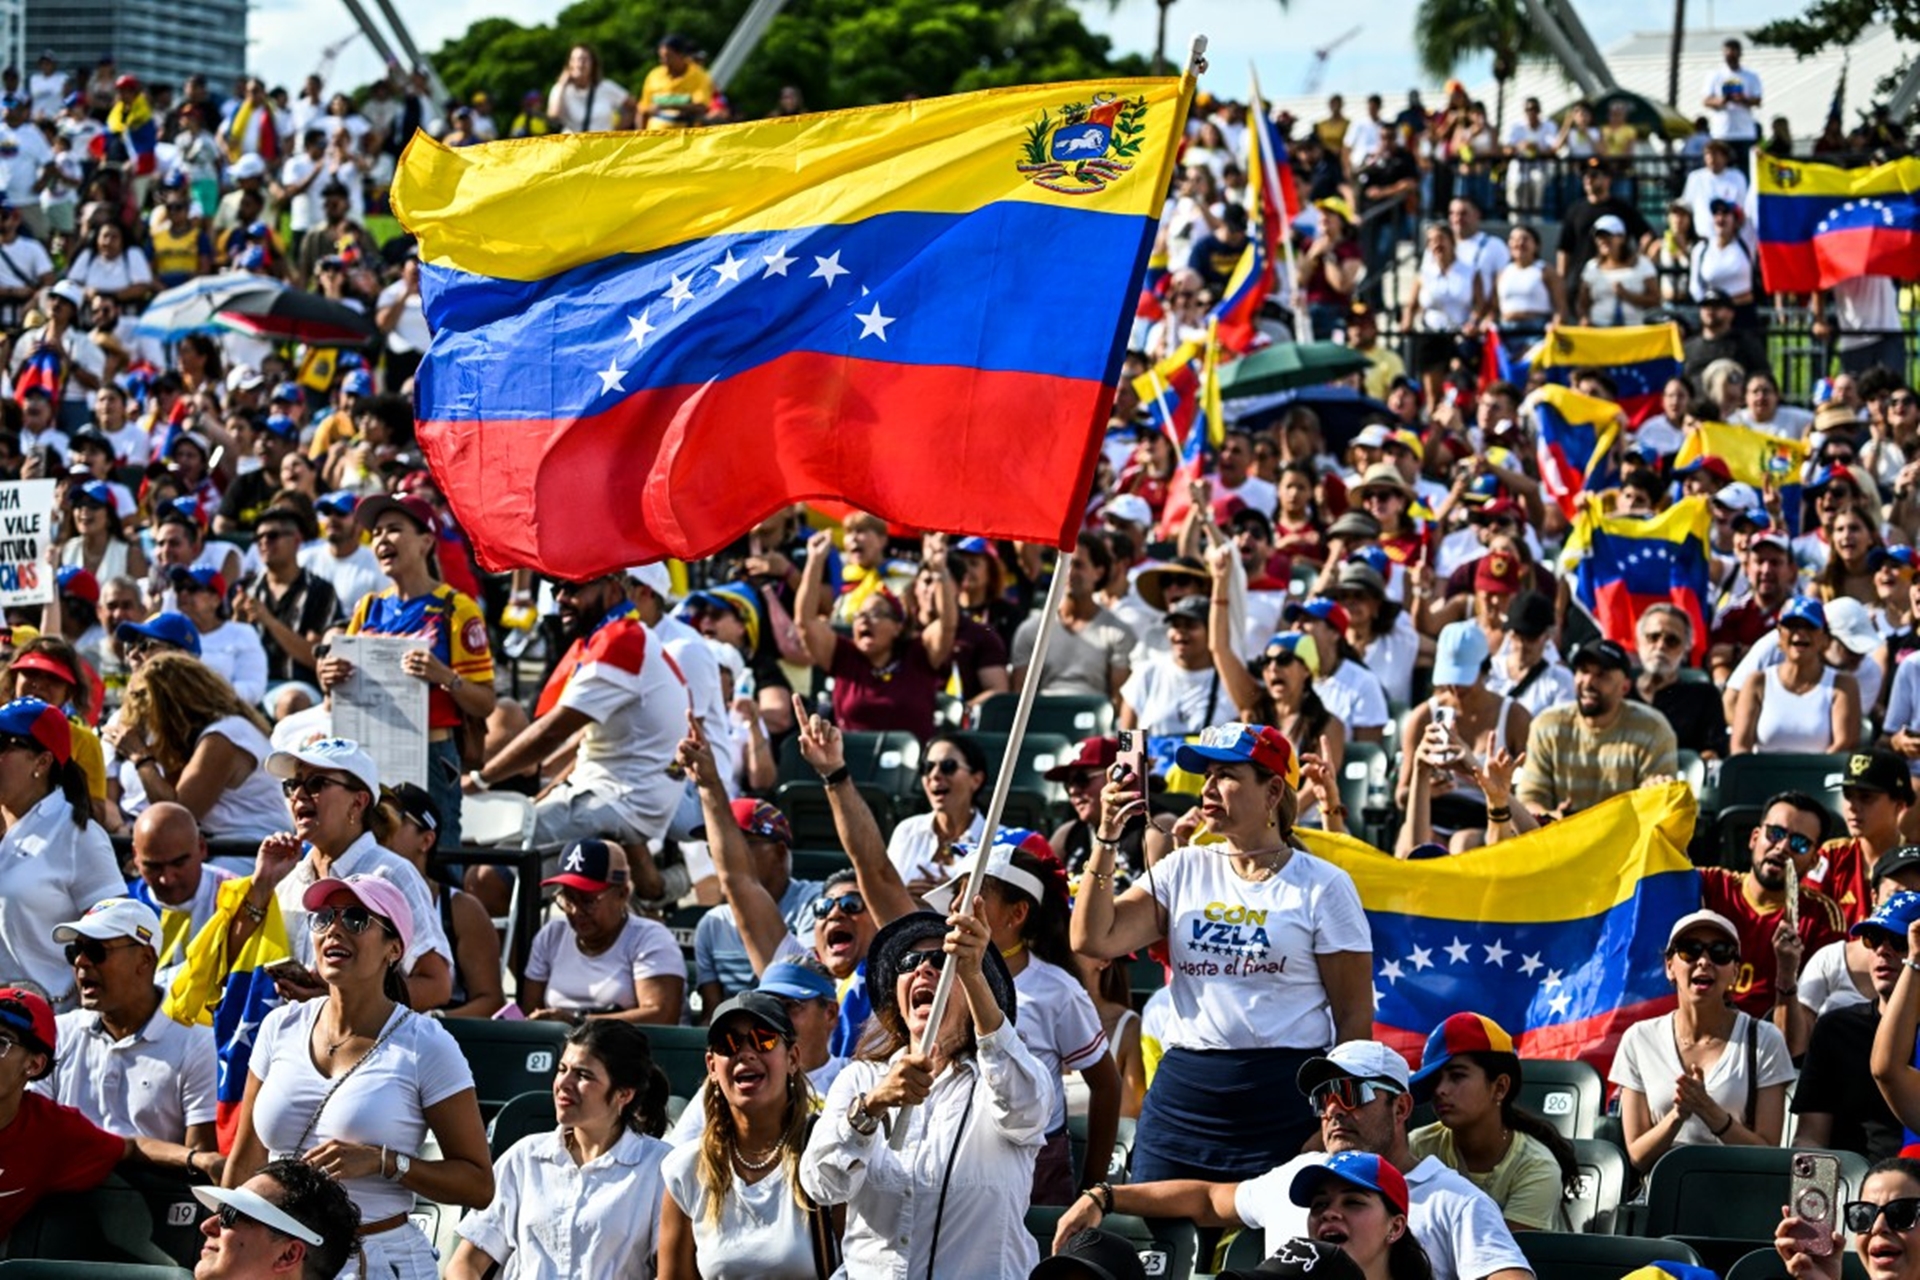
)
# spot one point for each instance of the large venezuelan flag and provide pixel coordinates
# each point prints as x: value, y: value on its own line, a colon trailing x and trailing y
x: 1641, y: 359
x: 1753, y: 457
x: 643, y: 343
x: 1819, y: 225
x: 1574, y: 437
x: 1557, y: 935
x: 1622, y: 564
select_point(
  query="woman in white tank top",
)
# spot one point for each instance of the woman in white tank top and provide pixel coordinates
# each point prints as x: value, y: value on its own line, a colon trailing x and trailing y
x: 1799, y: 704
x: 1528, y: 292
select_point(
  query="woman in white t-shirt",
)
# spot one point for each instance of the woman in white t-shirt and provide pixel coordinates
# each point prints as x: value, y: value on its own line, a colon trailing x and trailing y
x: 1619, y: 284
x: 583, y: 100
x: 354, y: 1081
x: 1271, y: 956
x: 184, y: 735
x: 1705, y: 1073
x: 112, y: 266
x: 1764, y: 412
x: 734, y: 1208
x: 601, y: 960
x: 1379, y: 629
x: 952, y: 773
x: 1025, y: 905
x: 592, y: 1184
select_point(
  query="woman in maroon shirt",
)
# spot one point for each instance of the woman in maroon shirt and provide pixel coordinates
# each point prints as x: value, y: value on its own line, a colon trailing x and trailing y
x: 884, y: 678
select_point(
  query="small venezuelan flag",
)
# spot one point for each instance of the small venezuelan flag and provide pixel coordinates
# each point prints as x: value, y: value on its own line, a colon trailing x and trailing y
x: 1819, y: 225
x: 645, y: 342
x: 1623, y: 564
x: 1575, y: 436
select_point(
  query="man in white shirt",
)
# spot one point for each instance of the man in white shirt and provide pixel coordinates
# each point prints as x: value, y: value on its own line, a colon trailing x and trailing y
x: 1363, y: 136
x: 25, y: 267
x: 175, y: 879
x: 1732, y: 96
x: 1236, y: 476
x: 650, y: 590
x: 1483, y: 253
x: 1529, y: 140
x: 300, y: 182
x: 346, y: 563
x: 231, y: 650
x: 27, y: 153
x: 46, y: 87
x: 1362, y: 1093
x: 123, y: 1063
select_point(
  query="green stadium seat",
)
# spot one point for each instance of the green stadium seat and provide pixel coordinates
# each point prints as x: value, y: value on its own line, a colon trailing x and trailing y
x: 522, y: 1117
x: 681, y: 1052
x: 1167, y: 1246
x: 890, y: 761
x: 1072, y: 716
x: 1765, y: 1264
x: 176, y: 1214
x: 1728, y: 1193
x: 508, y: 1058
x: 1602, y: 1186
x: 1246, y: 1249
x: 1576, y: 1255
x: 111, y: 1223
x: 1568, y: 1093
x: 1754, y: 776
x: 818, y: 864
x: 1122, y: 1145
x: 1039, y: 752
x: 681, y: 922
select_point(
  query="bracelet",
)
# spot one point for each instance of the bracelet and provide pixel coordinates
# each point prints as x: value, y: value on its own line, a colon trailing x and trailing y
x: 1912, y: 964
x: 479, y: 783
x: 1502, y: 814
x: 837, y: 777
x: 256, y: 914
x: 1334, y: 810
x: 1102, y: 1193
x: 1101, y: 879
x: 1723, y: 1128
x: 1100, y: 839
x: 140, y: 762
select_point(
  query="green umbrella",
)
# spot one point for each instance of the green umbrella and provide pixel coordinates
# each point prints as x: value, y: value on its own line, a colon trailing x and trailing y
x: 1287, y: 366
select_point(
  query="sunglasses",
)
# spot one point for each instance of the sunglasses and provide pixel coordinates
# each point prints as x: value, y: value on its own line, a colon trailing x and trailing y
x: 1283, y: 658
x: 313, y: 784
x: 1903, y: 402
x: 945, y: 768
x: 272, y: 535
x: 1860, y: 1215
x: 851, y: 904
x: 1348, y: 1094
x: 355, y: 920
x: 231, y: 1218
x: 1080, y: 780
x: 1797, y: 844
x: 1666, y: 640
x: 1691, y: 949
x: 736, y: 1042
x: 93, y: 949
x: 913, y: 960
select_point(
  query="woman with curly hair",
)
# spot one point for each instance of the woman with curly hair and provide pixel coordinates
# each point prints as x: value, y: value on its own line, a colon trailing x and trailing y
x: 184, y: 735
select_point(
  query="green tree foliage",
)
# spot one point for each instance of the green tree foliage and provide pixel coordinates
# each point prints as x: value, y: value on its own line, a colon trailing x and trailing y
x: 1448, y: 32
x: 1830, y: 23
x: 841, y: 53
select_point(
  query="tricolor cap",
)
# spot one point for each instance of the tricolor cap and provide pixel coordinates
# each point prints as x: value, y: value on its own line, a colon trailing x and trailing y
x: 78, y: 581
x: 756, y: 818
x: 1895, y: 914
x: 1899, y: 556
x: 201, y: 577
x: 1710, y: 464
x: 29, y: 1016
x: 1373, y: 556
x: 999, y: 867
x: 1461, y: 1033
x: 738, y: 599
x: 590, y: 866
x: 376, y: 893
x: 1828, y: 476
x: 1300, y: 645
x: 39, y: 722
x: 113, y: 918
x: 1258, y: 744
x: 1804, y: 609
x: 1326, y: 610
x: 96, y: 492
x: 257, y: 1208
x: 1361, y: 1168
x: 973, y: 546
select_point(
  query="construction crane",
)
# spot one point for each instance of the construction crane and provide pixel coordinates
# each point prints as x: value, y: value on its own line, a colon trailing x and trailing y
x: 330, y: 54
x: 1318, y: 70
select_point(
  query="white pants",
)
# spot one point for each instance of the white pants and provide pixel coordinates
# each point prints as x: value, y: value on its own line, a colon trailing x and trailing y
x: 403, y: 1253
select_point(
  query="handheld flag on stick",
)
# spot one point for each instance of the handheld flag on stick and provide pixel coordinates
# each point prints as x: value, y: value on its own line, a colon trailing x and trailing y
x: 1557, y: 935
x: 1623, y: 564
x: 1202, y: 440
x: 886, y: 307
x: 1641, y: 359
x: 1820, y: 225
x: 1576, y: 434
x: 1752, y: 457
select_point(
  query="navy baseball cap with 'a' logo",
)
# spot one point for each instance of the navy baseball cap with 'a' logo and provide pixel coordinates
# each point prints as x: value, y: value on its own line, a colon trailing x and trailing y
x: 590, y: 866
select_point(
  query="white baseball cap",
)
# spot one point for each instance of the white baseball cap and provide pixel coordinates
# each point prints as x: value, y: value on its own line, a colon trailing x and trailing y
x: 248, y: 166
x: 343, y: 754
x: 1737, y: 495
x: 68, y: 291
x: 1852, y: 625
x: 656, y: 579
x: 1130, y: 507
x: 1359, y: 1060
x: 1609, y: 224
x: 113, y: 918
x: 1703, y: 920
x: 999, y: 867
x: 244, y: 377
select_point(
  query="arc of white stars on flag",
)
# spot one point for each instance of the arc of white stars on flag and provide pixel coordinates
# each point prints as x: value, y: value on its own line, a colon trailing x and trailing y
x: 1559, y: 1000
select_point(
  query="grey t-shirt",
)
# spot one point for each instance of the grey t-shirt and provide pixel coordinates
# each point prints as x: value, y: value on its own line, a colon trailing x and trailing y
x: 1078, y: 661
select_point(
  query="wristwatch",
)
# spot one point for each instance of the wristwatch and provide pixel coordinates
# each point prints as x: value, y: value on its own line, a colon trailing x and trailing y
x: 402, y: 1165
x: 479, y: 783
x: 858, y: 1119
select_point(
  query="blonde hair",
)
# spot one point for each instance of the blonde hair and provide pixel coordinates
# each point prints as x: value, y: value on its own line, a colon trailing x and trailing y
x: 174, y: 697
x: 720, y: 1142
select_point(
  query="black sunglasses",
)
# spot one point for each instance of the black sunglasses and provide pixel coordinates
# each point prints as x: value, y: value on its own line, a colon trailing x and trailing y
x: 1080, y: 779
x: 313, y: 784
x: 851, y: 904
x: 1859, y: 1215
x: 93, y: 949
x: 945, y: 768
x: 1691, y: 949
x: 914, y: 959
x: 355, y: 920
x: 231, y: 1217
x: 1797, y: 844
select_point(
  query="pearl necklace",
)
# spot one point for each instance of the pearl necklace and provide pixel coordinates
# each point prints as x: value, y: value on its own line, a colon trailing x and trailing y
x: 773, y: 1154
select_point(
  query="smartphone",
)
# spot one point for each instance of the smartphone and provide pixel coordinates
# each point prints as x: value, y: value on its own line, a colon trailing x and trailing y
x: 1132, y: 758
x: 1814, y: 1198
x: 1443, y: 715
x: 292, y: 971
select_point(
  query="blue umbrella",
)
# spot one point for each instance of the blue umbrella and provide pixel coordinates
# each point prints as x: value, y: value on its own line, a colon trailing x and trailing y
x: 1342, y: 411
x: 191, y: 307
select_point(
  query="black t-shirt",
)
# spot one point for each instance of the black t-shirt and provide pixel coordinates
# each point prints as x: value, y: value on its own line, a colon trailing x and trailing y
x: 248, y: 496
x: 1214, y: 258
x: 1576, y: 233
x: 1743, y: 346
x: 308, y: 607
x: 1835, y: 1080
x: 1383, y: 171
x: 1698, y: 718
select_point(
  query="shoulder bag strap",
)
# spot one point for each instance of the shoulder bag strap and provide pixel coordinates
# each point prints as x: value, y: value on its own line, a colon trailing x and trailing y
x: 334, y: 1088
x: 1753, y: 1070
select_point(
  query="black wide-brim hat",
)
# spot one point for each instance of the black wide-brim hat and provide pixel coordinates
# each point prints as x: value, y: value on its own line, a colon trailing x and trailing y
x: 890, y: 947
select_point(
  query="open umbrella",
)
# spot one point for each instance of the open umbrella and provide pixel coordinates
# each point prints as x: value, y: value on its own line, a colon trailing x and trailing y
x: 191, y: 307
x: 1341, y: 409
x: 294, y: 315
x: 1287, y: 366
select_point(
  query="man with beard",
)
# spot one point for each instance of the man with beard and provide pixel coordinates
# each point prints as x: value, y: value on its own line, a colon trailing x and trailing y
x: 1770, y: 574
x: 616, y: 687
x: 1600, y: 744
x: 1837, y: 1102
x: 1665, y: 634
x: 1756, y: 902
x: 1362, y: 1093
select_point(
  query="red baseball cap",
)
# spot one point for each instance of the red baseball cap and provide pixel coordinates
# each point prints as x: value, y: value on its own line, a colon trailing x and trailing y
x: 368, y: 513
x: 31, y: 1017
x: 37, y: 661
x: 1498, y: 571
x: 1496, y: 509
x: 1092, y: 753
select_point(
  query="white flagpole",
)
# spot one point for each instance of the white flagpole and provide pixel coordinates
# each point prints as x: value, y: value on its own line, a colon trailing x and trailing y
x: 1270, y: 183
x: 1003, y: 783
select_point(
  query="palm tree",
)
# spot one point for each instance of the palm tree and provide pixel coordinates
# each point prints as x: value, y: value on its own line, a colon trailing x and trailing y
x: 1446, y: 32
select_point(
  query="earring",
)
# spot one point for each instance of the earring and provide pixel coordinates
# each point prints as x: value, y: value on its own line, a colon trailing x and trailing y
x: 1273, y: 819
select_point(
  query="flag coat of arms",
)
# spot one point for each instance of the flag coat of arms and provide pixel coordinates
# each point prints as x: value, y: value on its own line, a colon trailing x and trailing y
x: 1819, y: 225
x: 644, y: 343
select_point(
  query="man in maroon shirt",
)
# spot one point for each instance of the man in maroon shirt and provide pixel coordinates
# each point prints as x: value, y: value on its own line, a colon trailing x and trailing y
x: 1792, y: 827
x: 1770, y: 577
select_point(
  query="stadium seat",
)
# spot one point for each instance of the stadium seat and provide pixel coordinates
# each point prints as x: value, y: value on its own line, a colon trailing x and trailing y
x: 1039, y: 752
x: 890, y: 761
x: 176, y: 1214
x: 810, y: 812
x: 681, y: 1052
x: 1122, y: 1145
x: 681, y: 922
x: 1167, y: 1246
x: 1366, y: 788
x: 523, y: 1116
x: 1574, y: 1255
x: 1569, y: 1094
x: 111, y: 1223
x: 1602, y: 1186
x: 1246, y: 1249
x: 1145, y: 975
x: 508, y: 1058
x: 1072, y: 716
x: 817, y: 864
x: 1752, y: 777
x: 1728, y: 1193
x: 1765, y: 1264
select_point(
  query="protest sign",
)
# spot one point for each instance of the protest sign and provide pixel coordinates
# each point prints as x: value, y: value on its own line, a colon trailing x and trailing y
x: 381, y: 707
x: 26, y: 521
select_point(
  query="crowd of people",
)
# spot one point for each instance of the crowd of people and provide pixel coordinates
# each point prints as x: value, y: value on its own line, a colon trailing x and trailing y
x: 232, y: 945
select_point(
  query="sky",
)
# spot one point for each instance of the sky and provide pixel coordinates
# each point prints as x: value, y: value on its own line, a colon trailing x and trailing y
x: 287, y: 34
